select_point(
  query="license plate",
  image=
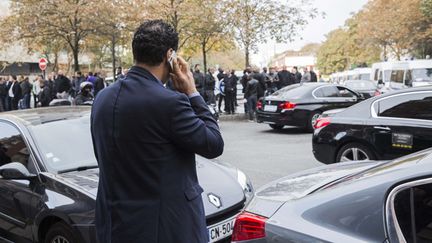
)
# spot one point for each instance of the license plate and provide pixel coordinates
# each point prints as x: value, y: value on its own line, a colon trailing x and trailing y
x: 271, y: 108
x: 221, y: 230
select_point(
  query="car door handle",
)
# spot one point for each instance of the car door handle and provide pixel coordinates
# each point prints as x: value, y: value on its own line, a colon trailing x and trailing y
x: 382, y: 128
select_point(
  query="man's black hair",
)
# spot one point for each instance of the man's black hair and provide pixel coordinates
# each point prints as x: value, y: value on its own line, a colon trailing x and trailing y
x: 79, y: 73
x: 152, y: 40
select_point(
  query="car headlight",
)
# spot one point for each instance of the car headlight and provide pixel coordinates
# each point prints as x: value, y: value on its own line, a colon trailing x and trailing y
x: 246, y: 184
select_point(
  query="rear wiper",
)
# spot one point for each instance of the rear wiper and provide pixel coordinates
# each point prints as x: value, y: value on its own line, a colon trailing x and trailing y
x: 80, y: 168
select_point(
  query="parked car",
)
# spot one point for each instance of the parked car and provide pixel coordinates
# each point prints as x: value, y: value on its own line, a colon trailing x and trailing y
x: 364, y: 87
x: 380, y: 128
x: 352, y: 202
x: 301, y: 104
x: 50, y: 177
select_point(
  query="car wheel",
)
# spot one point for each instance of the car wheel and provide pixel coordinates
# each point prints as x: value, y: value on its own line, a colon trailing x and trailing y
x: 276, y: 127
x: 312, y: 119
x: 60, y: 233
x: 354, y: 152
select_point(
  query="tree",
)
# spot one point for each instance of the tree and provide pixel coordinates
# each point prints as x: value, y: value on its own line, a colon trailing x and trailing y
x: 255, y: 21
x: 181, y: 14
x: 211, y: 31
x: 69, y: 20
x: 397, y: 26
x: 117, y: 19
x: 344, y: 49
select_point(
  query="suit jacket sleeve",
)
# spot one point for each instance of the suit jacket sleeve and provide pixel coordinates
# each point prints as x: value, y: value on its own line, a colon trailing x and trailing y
x: 194, y: 129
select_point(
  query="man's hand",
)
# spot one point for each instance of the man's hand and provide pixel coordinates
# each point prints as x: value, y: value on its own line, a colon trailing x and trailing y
x: 182, y: 77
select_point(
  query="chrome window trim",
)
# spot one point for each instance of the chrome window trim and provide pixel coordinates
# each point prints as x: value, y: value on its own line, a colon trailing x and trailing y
x: 390, y: 214
x: 374, y: 113
x: 331, y: 98
x: 14, y: 124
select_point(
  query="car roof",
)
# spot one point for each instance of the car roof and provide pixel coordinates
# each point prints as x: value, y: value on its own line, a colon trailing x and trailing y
x: 32, y: 117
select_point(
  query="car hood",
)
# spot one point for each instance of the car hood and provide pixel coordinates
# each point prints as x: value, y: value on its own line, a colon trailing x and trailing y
x: 272, y: 196
x: 216, y: 179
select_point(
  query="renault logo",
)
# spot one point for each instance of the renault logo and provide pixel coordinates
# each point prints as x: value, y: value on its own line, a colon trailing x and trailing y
x: 215, y: 200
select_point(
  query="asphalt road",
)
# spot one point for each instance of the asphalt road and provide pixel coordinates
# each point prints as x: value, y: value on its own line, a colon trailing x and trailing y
x: 264, y: 154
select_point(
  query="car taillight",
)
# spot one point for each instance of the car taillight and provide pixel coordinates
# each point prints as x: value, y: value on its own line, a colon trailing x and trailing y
x: 287, y: 105
x: 322, y: 122
x: 259, y: 105
x: 248, y: 226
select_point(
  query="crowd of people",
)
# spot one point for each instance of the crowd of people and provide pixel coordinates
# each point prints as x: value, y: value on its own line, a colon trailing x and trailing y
x: 222, y: 86
x: 216, y: 88
x: 16, y: 92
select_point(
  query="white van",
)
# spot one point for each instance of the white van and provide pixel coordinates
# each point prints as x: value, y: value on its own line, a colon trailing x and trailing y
x: 420, y: 73
x: 362, y: 74
x: 393, y: 75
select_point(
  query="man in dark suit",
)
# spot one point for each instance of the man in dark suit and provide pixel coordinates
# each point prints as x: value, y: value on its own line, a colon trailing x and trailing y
x: 145, y: 138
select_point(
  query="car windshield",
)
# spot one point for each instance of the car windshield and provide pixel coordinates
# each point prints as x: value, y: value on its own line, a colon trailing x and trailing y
x: 422, y: 74
x: 360, y: 85
x: 294, y: 91
x: 65, y: 144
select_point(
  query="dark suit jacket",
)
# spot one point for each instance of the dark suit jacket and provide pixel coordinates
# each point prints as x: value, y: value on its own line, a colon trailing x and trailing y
x: 145, y: 138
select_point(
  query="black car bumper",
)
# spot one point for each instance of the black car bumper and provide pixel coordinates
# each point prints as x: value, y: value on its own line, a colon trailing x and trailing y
x: 288, y: 118
x: 324, y: 149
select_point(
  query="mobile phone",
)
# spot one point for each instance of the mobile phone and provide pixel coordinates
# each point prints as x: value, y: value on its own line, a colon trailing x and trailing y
x: 171, y: 59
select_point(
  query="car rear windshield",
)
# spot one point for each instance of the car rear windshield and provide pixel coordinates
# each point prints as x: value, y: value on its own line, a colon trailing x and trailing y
x: 65, y: 144
x: 295, y: 91
x: 360, y: 85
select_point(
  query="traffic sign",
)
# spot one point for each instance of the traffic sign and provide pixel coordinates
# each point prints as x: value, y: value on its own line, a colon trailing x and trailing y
x: 43, y: 64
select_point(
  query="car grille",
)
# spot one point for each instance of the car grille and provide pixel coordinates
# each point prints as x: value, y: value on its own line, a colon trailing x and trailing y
x: 225, y: 214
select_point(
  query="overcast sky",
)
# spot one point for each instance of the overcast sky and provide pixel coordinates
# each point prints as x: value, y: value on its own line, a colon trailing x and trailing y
x: 337, y: 11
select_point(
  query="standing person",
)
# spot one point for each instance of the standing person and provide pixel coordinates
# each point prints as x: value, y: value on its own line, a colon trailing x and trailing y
x: 297, y: 75
x: 119, y: 73
x: 251, y: 95
x: 14, y: 93
x: 273, y: 79
x: 76, y: 82
x: 26, y: 89
x: 209, y: 87
x: 91, y: 78
x: 313, y: 75
x: 45, y: 95
x: 306, y: 78
x: 99, y: 84
x: 261, y: 82
x: 221, y: 98
x: 145, y: 143
x: 8, y: 100
x: 3, y: 94
x: 230, y: 83
x: 285, y: 78
x: 221, y: 74
x: 62, y: 86
x: 36, y: 89
x: 199, y: 80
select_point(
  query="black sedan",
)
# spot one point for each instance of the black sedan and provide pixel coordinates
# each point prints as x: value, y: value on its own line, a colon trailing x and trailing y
x: 364, y: 87
x: 389, y: 202
x: 301, y: 104
x: 49, y: 179
x: 380, y: 128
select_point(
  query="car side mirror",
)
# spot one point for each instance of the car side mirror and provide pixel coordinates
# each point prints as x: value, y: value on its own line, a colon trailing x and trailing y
x: 15, y: 171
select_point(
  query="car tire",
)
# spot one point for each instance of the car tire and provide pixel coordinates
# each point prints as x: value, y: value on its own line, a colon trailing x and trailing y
x: 311, y: 121
x: 61, y: 233
x: 354, y: 152
x: 276, y: 127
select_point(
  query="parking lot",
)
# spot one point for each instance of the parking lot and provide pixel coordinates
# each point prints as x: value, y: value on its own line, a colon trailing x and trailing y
x: 264, y: 154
